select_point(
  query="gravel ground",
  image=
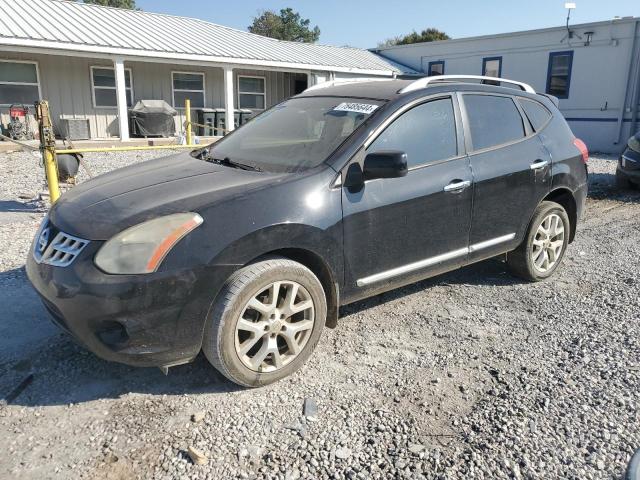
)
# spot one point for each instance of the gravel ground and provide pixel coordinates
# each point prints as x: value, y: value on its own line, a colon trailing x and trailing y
x: 472, y: 374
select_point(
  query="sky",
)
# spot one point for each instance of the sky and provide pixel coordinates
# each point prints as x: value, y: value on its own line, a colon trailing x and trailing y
x: 364, y: 23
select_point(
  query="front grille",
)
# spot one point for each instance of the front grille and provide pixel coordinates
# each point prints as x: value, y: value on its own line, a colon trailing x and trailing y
x: 59, y: 252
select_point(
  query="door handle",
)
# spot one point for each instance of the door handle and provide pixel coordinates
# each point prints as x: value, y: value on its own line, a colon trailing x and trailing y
x: 539, y: 164
x: 457, y: 185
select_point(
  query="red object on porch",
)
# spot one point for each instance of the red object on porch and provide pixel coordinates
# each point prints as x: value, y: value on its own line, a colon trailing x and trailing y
x: 16, y: 111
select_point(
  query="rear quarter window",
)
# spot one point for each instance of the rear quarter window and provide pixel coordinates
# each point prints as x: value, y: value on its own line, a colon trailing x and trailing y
x: 537, y: 114
x: 492, y: 120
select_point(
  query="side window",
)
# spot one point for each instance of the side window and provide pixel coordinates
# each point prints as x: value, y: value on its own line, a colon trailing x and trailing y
x: 559, y: 73
x: 426, y: 133
x: 103, y: 81
x: 492, y: 120
x: 188, y: 85
x: 436, y: 68
x: 19, y: 83
x: 252, y: 92
x: 492, y: 67
x: 537, y: 114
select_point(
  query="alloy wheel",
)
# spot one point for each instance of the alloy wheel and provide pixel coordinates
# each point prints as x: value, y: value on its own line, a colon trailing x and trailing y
x: 548, y: 243
x: 274, y: 327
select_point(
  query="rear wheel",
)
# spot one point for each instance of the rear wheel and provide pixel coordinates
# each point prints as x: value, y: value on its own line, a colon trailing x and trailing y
x: 544, y: 246
x: 265, y: 322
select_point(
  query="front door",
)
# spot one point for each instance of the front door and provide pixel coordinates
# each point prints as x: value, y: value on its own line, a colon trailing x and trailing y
x: 400, y: 228
x: 511, y: 172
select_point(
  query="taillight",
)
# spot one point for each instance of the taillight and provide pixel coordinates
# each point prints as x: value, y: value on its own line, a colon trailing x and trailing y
x: 583, y: 149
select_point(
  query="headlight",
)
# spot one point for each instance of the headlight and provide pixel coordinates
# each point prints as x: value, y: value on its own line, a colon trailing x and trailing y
x: 141, y: 249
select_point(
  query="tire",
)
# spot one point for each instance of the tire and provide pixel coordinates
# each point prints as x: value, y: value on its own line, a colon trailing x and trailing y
x: 266, y: 326
x: 623, y: 182
x: 633, y: 470
x: 521, y: 261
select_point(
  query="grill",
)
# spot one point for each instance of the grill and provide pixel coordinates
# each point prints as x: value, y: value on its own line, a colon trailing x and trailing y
x: 61, y: 251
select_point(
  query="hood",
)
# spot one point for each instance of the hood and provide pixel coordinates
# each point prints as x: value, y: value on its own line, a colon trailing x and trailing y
x: 106, y: 205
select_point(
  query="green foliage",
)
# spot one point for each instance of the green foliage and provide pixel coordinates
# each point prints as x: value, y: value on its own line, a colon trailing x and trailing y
x: 130, y: 4
x: 428, y: 35
x: 288, y: 25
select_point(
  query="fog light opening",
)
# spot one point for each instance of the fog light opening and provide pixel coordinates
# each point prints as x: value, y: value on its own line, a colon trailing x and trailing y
x: 113, y: 334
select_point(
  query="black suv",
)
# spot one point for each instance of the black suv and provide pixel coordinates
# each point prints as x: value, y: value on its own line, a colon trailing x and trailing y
x: 245, y: 249
x: 628, y: 170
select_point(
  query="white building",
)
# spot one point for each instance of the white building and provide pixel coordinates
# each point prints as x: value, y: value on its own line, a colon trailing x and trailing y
x: 594, y: 70
x: 94, y: 62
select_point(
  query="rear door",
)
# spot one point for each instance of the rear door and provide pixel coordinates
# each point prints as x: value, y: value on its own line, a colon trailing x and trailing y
x: 511, y: 171
x: 418, y: 224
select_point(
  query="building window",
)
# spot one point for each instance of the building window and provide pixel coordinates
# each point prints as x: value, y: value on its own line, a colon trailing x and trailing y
x: 188, y: 85
x: 19, y: 83
x: 492, y: 67
x: 103, y: 81
x: 559, y: 73
x: 252, y: 93
x: 436, y: 68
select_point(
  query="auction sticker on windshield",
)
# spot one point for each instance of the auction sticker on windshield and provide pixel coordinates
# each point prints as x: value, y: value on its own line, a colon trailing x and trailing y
x: 356, y: 107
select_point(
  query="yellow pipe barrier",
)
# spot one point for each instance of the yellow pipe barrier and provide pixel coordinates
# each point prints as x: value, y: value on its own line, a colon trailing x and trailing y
x: 49, y: 152
x: 187, y: 113
x: 126, y: 149
x: 48, y: 148
x: 51, y: 171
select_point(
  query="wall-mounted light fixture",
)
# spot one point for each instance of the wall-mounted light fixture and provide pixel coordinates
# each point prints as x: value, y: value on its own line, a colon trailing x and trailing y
x: 588, y: 36
x: 569, y: 6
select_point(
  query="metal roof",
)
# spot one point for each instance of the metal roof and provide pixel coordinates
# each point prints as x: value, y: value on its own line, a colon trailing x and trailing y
x: 71, y: 25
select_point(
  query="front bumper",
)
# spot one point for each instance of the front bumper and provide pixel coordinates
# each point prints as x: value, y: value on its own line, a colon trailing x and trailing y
x: 629, y: 165
x: 156, y: 319
x: 631, y: 175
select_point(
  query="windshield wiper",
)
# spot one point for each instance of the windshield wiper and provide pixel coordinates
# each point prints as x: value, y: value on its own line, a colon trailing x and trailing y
x: 231, y: 163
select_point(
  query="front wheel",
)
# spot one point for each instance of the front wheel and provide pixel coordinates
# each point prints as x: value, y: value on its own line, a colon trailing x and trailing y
x: 623, y: 182
x: 540, y: 253
x: 265, y: 322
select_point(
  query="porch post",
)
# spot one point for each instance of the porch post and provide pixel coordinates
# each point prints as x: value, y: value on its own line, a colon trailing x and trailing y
x: 228, y: 99
x: 121, y: 94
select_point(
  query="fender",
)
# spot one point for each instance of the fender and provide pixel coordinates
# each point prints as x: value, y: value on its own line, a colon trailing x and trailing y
x: 325, y: 244
x: 319, y: 250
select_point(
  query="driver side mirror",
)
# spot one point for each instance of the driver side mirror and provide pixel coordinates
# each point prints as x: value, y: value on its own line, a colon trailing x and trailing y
x: 382, y: 164
x: 385, y: 164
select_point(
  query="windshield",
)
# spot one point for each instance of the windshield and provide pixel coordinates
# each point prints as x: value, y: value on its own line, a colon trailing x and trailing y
x: 295, y: 135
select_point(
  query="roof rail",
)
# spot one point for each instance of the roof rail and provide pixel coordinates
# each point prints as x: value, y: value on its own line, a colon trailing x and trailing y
x: 425, y: 81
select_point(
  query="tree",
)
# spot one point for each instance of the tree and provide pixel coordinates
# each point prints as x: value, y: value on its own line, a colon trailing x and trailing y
x: 130, y: 4
x: 288, y: 25
x: 428, y: 35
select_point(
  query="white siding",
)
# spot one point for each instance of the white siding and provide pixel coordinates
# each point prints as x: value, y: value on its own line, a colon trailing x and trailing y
x: 66, y: 83
x: 598, y: 92
x: 278, y: 85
